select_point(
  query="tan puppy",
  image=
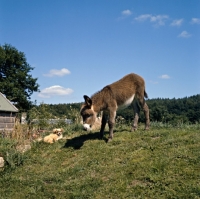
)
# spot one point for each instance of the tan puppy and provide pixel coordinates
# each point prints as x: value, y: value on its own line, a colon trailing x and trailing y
x: 53, y: 137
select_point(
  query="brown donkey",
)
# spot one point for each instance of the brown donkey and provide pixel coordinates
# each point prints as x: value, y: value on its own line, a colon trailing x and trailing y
x: 116, y: 95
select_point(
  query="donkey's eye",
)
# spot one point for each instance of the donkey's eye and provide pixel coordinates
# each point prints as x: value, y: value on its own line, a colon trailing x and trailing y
x: 88, y: 115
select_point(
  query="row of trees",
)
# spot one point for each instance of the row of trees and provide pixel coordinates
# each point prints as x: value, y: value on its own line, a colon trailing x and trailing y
x: 182, y: 110
x: 18, y: 85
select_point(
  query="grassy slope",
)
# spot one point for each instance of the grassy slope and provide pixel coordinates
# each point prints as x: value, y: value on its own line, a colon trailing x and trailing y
x: 160, y: 163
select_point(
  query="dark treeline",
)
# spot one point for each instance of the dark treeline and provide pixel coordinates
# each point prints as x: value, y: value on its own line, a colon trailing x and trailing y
x: 183, y: 110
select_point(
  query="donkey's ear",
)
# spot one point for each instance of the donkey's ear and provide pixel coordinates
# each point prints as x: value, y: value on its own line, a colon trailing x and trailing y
x: 88, y: 101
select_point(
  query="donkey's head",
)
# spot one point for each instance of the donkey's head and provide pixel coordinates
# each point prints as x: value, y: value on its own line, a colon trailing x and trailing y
x: 88, y: 114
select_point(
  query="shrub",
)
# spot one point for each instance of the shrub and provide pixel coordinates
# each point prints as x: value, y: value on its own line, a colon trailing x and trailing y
x: 12, y: 157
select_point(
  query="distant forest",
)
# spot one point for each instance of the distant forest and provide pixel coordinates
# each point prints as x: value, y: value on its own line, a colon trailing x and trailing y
x: 183, y: 110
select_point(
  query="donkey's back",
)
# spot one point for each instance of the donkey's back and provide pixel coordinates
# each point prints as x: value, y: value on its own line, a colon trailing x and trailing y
x: 125, y: 89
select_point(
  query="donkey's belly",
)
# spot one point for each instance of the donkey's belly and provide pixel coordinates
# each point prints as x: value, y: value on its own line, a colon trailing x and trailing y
x: 127, y: 102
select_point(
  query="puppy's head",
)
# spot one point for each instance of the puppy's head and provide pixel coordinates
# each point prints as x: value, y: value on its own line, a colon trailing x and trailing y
x: 58, y: 131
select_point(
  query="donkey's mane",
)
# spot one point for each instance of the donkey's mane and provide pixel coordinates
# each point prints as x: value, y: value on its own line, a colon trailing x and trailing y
x: 99, y: 94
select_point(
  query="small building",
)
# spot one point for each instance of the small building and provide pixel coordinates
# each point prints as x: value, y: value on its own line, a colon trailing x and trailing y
x: 7, y: 113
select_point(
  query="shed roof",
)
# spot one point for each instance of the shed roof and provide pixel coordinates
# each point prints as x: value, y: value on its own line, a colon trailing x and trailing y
x: 6, y: 105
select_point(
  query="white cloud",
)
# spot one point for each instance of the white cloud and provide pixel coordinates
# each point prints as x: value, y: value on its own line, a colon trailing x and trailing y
x: 156, y: 19
x: 164, y: 77
x: 177, y: 22
x: 184, y: 34
x: 55, y: 72
x: 54, y: 91
x: 153, y: 82
x: 142, y: 18
x: 159, y: 19
x: 126, y: 13
x: 195, y: 21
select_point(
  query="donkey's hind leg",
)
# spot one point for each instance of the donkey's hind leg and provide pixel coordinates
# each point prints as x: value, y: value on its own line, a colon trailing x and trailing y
x: 145, y: 108
x: 146, y: 112
x: 136, y: 109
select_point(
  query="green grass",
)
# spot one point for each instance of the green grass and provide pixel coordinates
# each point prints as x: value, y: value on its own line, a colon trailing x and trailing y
x: 163, y: 162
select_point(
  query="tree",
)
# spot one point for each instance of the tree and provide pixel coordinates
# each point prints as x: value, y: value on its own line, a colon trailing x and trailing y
x: 16, y: 81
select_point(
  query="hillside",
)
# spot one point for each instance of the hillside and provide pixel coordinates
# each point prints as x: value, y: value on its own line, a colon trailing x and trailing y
x: 160, y: 163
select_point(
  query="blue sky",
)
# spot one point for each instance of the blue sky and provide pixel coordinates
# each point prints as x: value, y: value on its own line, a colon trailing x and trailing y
x: 78, y: 47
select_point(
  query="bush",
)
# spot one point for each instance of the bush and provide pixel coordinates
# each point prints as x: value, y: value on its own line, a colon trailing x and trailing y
x: 12, y: 157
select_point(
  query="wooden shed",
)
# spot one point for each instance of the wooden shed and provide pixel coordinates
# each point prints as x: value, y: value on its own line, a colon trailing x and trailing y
x: 7, y: 113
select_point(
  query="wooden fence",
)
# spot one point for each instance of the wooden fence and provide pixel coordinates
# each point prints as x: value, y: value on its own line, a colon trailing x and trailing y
x: 7, y: 123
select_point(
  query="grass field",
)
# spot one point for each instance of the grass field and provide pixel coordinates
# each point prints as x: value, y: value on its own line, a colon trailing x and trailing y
x: 163, y: 162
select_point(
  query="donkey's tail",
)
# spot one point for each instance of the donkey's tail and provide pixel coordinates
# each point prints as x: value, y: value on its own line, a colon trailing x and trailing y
x: 145, y: 94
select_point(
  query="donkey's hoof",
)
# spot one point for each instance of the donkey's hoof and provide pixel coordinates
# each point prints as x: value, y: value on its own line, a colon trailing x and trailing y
x: 100, y: 137
x: 134, y: 129
x: 109, y: 140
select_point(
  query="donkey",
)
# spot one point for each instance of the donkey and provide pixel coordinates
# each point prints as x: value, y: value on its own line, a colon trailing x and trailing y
x: 116, y: 95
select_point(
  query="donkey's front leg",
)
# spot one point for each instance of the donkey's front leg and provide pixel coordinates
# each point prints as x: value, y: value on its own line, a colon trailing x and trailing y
x: 111, y: 124
x: 103, y: 124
